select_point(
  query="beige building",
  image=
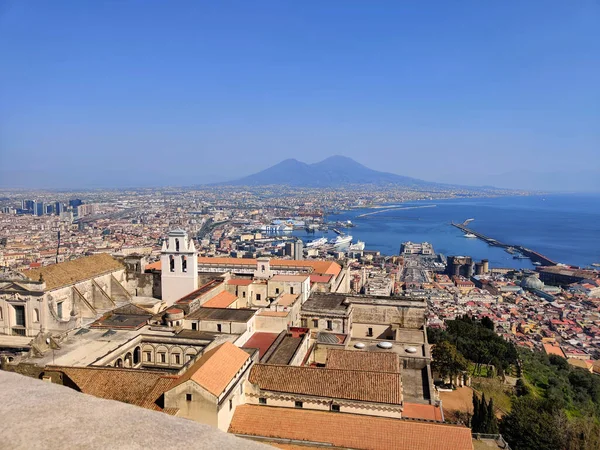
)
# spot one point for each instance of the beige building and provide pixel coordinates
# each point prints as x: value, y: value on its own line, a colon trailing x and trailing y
x: 212, y: 387
x: 62, y: 296
x: 350, y: 391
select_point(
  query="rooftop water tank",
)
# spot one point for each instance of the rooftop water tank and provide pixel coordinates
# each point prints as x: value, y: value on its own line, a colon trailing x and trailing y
x: 384, y: 345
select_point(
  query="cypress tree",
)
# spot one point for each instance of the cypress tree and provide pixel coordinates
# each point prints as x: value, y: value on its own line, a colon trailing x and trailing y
x: 475, y: 419
x: 483, y: 418
x: 492, y: 420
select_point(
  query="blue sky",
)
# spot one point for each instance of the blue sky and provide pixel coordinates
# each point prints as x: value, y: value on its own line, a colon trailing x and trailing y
x: 125, y: 93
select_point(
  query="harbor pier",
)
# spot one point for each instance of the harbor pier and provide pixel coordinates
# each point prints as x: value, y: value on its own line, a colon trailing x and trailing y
x: 531, y: 254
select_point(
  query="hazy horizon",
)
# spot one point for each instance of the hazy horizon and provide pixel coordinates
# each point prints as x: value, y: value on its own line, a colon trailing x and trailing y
x: 120, y: 94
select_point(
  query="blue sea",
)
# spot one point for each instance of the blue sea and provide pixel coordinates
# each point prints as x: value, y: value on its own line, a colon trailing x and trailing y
x: 565, y: 228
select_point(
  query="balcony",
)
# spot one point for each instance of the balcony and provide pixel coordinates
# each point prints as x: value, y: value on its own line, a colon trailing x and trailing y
x: 19, y: 331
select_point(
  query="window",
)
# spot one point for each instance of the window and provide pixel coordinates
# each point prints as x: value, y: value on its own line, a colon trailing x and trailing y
x: 188, y: 397
x: 262, y: 401
x: 219, y: 327
x: 176, y: 245
x: 262, y: 267
x: 257, y: 296
x: 230, y: 404
x: 59, y: 309
x: 171, y: 263
x: 316, y: 323
x: 370, y: 332
x: 291, y: 289
x: 148, y: 356
x: 177, y: 358
x: 241, y: 388
x: 20, y: 315
x: 194, y: 326
x: 1, y: 316
x: 329, y: 325
x: 36, y: 315
x: 303, y: 323
x: 298, y: 404
x: 277, y: 290
x: 335, y: 408
x: 183, y: 264
x: 162, y: 357
x: 244, y: 294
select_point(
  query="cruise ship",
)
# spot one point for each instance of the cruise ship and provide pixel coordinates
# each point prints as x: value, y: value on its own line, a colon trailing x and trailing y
x: 341, y: 241
x: 316, y: 243
x: 470, y: 235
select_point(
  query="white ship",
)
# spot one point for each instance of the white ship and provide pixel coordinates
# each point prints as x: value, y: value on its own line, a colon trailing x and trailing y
x: 316, y: 243
x: 341, y: 241
x: 470, y: 235
x: 358, y: 247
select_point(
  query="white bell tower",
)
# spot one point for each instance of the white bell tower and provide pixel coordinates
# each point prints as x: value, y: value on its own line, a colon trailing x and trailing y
x: 179, y: 267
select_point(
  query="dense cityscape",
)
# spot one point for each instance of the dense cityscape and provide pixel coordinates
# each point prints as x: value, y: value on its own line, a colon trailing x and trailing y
x: 299, y: 225
x: 97, y: 260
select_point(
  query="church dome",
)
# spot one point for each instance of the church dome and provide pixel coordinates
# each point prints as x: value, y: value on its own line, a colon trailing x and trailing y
x: 532, y: 282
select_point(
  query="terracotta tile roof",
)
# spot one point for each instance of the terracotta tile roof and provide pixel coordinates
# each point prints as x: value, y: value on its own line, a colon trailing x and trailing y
x: 262, y: 341
x: 376, y: 387
x: 136, y: 387
x: 319, y: 267
x: 320, y: 278
x: 216, y: 368
x: 552, y: 349
x: 287, y: 299
x: 419, y: 411
x: 222, y: 300
x: 71, y: 272
x: 361, y: 360
x: 347, y: 430
x: 239, y: 282
x: 290, y: 278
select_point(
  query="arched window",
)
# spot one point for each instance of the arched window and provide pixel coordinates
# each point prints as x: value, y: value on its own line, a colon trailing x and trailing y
x: 176, y: 244
x: 137, y: 355
x: 119, y: 363
x: 36, y: 315
x: 183, y: 263
x: 172, y: 263
x: 1, y: 315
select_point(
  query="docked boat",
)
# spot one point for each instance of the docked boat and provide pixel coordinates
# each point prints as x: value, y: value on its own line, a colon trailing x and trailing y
x: 595, y: 264
x: 470, y: 235
x: 341, y: 241
x: 317, y: 243
x: 520, y: 256
x: 358, y: 247
x: 536, y: 263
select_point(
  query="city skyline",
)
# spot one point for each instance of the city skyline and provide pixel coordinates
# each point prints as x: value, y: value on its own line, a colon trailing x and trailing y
x: 99, y: 95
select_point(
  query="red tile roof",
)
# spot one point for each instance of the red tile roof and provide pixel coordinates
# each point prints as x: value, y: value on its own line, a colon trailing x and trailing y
x: 359, y: 360
x: 261, y: 341
x: 425, y: 412
x: 347, y: 430
x: 222, y: 300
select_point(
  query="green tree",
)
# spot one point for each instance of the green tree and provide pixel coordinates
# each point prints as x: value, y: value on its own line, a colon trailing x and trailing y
x: 447, y: 361
x: 529, y: 426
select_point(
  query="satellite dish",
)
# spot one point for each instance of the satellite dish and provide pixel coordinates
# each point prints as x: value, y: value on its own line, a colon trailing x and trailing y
x: 359, y: 345
x: 384, y: 345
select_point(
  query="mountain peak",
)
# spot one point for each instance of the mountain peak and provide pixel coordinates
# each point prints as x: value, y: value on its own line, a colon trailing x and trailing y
x: 334, y: 171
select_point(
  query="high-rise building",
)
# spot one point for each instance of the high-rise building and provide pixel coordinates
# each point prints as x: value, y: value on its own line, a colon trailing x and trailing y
x: 38, y: 208
x: 49, y: 209
x: 27, y: 205
x: 74, y: 203
x: 59, y: 208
